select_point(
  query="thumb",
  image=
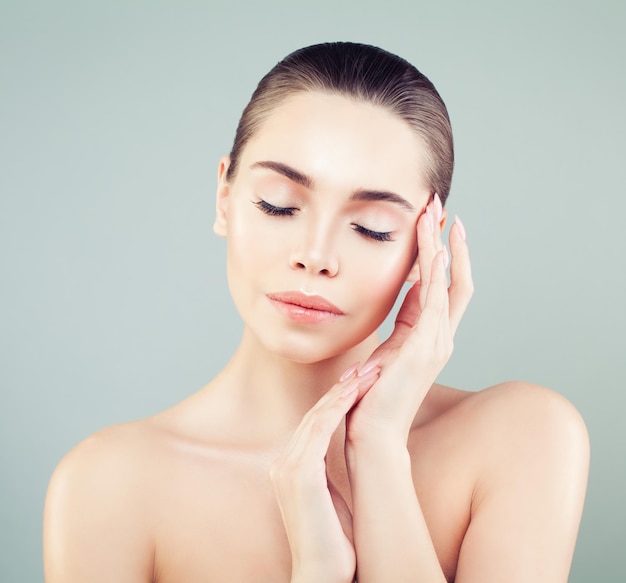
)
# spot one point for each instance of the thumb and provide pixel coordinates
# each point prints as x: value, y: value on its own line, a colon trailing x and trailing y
x: 409, y: 311
x: 407, y: 317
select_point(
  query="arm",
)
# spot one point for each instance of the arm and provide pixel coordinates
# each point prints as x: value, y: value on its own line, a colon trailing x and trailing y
x: 391, y: 536
x: 316, y: 518
x: 526, y: 505
x: 531, y: 465
x: 528, y: 502
x: 94, y: 523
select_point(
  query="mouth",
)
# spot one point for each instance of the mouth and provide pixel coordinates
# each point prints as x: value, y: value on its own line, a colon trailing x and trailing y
x: 305, y: 308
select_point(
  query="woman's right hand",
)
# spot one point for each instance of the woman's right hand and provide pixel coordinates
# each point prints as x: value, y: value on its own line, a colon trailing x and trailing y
x: 316, y: 518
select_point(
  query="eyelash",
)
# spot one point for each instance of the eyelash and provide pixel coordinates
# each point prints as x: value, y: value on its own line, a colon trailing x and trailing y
x: 275, y: 211
x: 376, y: 235
x: 279, y: 211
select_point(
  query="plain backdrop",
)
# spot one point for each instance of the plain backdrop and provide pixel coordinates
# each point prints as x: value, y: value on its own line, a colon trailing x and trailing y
x: 113, y: 298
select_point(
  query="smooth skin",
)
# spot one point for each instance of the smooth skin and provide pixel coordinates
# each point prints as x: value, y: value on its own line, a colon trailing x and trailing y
x: 318, y: 453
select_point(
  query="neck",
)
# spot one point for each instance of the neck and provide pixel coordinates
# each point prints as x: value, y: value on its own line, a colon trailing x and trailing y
x: 270, y: 393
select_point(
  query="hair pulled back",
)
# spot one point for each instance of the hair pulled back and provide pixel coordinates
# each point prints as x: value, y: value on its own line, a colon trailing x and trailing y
x: 367, y: 74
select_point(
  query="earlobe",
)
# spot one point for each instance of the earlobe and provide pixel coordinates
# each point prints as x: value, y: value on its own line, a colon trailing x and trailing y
x: 442, y: 222
x: 222, y: 196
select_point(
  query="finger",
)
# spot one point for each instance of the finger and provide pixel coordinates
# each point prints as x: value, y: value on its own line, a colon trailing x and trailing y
x: 324, y: 417
x: 368, y: 376
x: 437, y: 297
x: 312, y: 437
x: 426, y: 249
x: 409, y: 312
x: 461, y: 284
x: 428, y: 327
x: 445, y: 336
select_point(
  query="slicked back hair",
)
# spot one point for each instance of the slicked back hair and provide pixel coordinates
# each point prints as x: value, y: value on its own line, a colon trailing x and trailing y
x: 364, y: 73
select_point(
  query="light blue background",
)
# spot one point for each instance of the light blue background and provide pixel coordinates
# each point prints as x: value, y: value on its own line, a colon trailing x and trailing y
x: 113, y: 298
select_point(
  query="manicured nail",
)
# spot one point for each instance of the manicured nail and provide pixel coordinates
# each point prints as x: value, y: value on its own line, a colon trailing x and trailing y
x: 446, y: 257
x: 431, y: 220
x: 459, y: 224
x: 352, y: 386
x: 369, y: 375
x: 372, y: 364
x: 438, y: 207
x: 350, y: 372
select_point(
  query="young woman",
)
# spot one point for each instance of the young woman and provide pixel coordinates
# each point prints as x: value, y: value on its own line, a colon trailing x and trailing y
x: 319, y: 454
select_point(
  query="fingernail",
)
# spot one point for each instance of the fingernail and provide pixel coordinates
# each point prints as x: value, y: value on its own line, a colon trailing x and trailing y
x: 446, y: 257
x: 461, y: 227
x: 369, y: 375
x: 349, y: 372
x: 350, y: 388
x: 431, y: 220
x: 438, y: 207
x: 372, y: 364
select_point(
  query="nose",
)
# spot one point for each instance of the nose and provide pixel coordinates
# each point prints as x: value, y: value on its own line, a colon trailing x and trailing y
x: 315, y: 255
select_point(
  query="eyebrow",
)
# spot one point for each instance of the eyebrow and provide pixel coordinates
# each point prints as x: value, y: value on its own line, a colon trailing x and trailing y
x: 287, y: 171
x: 361, y: 194
x: 374, y: 195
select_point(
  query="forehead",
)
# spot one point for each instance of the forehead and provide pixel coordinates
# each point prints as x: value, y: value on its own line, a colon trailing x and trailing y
x: 343, y: 144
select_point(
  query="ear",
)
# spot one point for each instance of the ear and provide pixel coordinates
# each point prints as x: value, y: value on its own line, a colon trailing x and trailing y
x: 414, y: 274
x: 222, y: 197
x: 444, y: 219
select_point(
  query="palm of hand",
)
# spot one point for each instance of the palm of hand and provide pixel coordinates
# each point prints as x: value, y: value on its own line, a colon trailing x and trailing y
x: 422, y: 339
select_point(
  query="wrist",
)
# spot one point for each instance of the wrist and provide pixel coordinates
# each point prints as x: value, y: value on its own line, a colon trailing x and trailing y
x: 370, y: 437
x: 315, y: 575
x: 380, y: 449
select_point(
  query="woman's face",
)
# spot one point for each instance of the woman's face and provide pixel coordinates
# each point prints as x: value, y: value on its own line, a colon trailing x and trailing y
x: 320, y: 222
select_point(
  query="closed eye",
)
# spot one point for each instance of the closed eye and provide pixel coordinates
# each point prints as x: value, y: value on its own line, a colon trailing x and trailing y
x: 275, y: 211
x: 375, y: 235
x: 281, y: 211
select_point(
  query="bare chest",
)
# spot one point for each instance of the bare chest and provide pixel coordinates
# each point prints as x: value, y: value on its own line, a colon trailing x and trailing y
x: 216, y: 519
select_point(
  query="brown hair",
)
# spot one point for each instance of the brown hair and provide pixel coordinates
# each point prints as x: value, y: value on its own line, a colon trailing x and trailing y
x: 365, y: 73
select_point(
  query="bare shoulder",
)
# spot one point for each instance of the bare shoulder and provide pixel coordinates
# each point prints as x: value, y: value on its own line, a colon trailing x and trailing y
x: 535, y: 414
x: 512, y: 407
x: 531, y: 483
x: 543, y: 434
x: 98, y: 506
x: 508, y: 425
x: 106, y: 459
x: 518, y: 457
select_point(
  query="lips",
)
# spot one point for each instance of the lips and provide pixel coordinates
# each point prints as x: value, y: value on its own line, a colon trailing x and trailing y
x: 306, y: 302
x: 303, y: 309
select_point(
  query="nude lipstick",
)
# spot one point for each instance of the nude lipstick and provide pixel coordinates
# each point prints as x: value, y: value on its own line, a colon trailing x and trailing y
x: 304, y: 308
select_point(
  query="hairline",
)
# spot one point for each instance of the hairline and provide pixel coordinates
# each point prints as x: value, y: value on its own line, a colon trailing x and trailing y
x: 265, y: 113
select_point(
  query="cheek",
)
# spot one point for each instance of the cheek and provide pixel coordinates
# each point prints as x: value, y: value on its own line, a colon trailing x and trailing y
x: 250, y: 249
x: 247, y: 259
x: 380, y: 276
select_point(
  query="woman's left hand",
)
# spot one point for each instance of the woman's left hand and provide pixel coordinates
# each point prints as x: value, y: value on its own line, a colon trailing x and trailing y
x: 422, y: 340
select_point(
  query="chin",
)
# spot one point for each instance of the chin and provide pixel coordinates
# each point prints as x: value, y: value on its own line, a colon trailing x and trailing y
x: 314, y: 348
